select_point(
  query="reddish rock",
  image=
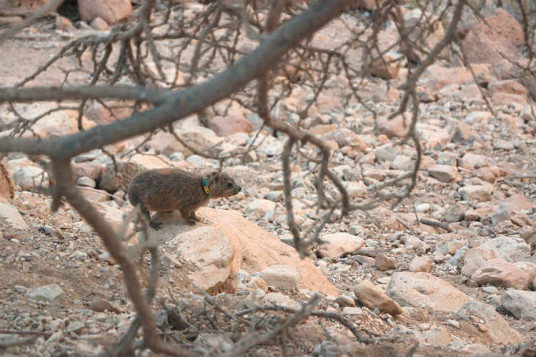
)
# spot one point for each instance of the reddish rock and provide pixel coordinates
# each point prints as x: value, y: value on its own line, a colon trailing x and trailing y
x: 492, y: 327
x: 426, y: 291
x: 507, y: 92
x: 111, y: 11
x: 99, y: 24
x: 396, y: 127
x: 229, y: 125
x: 443, y: 173
x: 7, y: 189
x: 373, y: 297
x: 226, y: 243
x: 486, y: 174
x: 63, y: 23
x: 384, y: 263
x: 499, y: 272
x: 386, y: 67
x: 93, y: 171
x: 113, y: 111
x: 501, y: 35
x: 436, y: 77
x: 507, y: 86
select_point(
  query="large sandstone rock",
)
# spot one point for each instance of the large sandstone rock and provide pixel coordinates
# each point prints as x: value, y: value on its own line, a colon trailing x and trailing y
x: 499, y: 272
x: 426, y: 291
x: 495, y: 329
x: 501, y: 35
x: 111, y: 11
x: 436, y: 76
x: 508, y: 92
x: 7, y: 189
x: 511, y: 249
x: 57, y: 123
x: 225, y: 243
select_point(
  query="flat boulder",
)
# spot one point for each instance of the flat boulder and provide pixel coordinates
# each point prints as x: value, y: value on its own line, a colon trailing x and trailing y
x: 223, y: 243
x: 499, y: 272
x: 425, y: 291
x: 338, y: 244
x: 522, y: 304
x: 12, y: 217
x: 491, y: 326
x: 511, y: 249
x: 488, y: 42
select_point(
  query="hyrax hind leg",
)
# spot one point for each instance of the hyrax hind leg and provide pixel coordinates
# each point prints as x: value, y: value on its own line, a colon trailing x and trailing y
x: 146, y: 216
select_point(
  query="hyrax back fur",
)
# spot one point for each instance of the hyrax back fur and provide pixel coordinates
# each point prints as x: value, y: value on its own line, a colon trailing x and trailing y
x: 165, y: 190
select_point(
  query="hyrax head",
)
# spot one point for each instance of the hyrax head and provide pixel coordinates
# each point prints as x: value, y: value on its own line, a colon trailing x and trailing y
x: 222, y: 185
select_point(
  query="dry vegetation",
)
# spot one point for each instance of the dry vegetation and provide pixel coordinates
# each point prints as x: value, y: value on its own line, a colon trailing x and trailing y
x: 170, y: 62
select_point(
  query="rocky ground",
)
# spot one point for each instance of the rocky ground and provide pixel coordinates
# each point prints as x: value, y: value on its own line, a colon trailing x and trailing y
x: 452, y: 268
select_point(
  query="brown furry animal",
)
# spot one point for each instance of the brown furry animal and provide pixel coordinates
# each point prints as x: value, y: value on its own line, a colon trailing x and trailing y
x: 165, y: 190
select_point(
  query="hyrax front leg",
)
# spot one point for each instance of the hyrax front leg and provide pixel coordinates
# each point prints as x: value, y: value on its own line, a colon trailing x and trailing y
x: 190, y: 217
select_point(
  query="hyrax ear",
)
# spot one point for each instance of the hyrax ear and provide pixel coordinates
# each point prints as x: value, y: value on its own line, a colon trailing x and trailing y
x: 213, y: 176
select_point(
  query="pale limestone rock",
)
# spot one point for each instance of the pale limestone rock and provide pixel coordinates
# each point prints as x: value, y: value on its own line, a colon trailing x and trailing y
x: 30, y: 177
x: 338, y: 244
x: 280, y: 276
x: 478, y: 193
x: 223, y: 243
x: 12, y: 216
x: 50, y: 293
x: 420, y: 264
x: 522, y: 304
x: 426, y: 291
x: 260, y: 207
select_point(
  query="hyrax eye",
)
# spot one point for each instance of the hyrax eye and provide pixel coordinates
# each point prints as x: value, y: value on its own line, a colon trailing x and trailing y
x: 229, y: 184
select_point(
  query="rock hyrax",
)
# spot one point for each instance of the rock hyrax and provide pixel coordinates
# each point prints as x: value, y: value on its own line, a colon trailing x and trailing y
x: 165, y: 190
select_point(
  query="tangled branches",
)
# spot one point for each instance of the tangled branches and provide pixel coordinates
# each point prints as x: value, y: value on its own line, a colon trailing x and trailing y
x: 171, y: 63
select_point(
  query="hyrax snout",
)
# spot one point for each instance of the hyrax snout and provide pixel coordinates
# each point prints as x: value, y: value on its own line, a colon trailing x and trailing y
x: 164, y: 190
